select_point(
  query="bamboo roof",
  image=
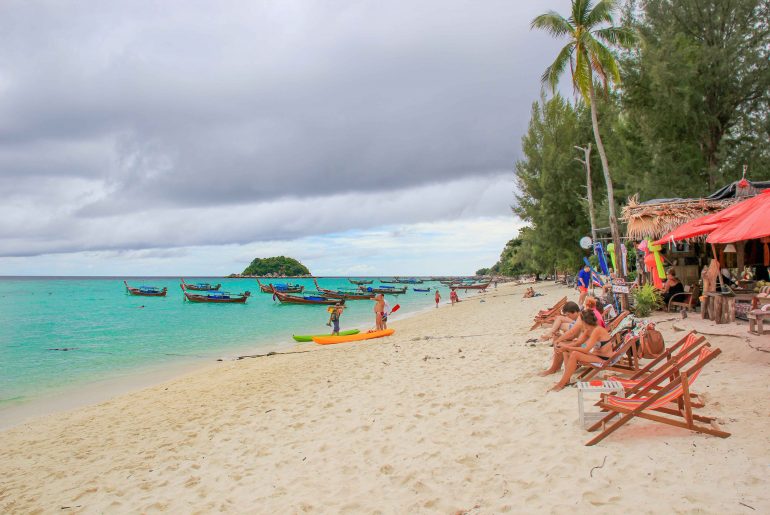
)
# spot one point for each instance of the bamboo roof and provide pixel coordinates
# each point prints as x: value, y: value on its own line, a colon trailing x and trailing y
x: 654, y: 218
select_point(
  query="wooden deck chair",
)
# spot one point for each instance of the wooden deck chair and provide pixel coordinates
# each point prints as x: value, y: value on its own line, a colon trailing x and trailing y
x: 656, y: 407
x: 663, y: 366
x: 612, y: 324
x: 547, y: 316
x: 623, y: 359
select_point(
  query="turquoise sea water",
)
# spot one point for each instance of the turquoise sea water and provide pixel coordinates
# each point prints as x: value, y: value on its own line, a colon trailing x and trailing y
x: 110, y: 335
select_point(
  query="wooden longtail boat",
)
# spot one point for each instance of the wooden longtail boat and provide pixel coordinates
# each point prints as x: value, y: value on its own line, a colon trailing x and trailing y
x: 200, y: 286
x: 219, y: 297
x: 386, y: 291
x: 285, y: 298
x: 360, y: 282
x: 146, y: 291
x: 408, y: 281
x: 283, y: 288
x: 384, y: 281
x: 479, y: 286
x: 421, y: 290
x: 344, y: 294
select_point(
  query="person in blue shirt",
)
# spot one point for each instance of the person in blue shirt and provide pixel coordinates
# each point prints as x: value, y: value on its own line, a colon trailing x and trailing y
x: 583, y: 282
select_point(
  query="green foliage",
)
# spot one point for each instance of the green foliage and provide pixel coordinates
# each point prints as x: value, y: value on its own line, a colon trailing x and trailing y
x: 551, y: 184
x: 695, y: 97
x: 482, y: 271
x: 279, y: 265
x: 646, y: 299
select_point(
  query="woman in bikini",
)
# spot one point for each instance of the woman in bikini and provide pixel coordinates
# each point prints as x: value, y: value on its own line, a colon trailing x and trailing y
x: 597, y: 350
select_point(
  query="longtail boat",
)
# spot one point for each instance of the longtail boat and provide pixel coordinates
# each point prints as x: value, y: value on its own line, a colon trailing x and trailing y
x: 360, y: 282
x: 218, y: 297
x: 146, y: 291
x: 386, y: 290
x: 285, y: 298
x: 386, y: 281
x: 421, y: 290
x: 480, y: 286
x: 344, y: 294
x: 408, y: 281
x: 200, y: 286
x: 281, y: 287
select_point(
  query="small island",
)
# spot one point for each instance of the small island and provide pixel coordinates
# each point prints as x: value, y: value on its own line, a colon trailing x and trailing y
x: 278, y: 266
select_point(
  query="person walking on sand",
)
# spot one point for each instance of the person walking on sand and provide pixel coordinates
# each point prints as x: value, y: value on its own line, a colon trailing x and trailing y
x: 334, y: 317
x: 379, y: 308
x: 583, y: 283
x: 438, y: 297
x: 453, y: 297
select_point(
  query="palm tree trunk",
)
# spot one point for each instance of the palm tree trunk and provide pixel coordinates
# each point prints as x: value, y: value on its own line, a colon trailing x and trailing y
x: 610, y: 189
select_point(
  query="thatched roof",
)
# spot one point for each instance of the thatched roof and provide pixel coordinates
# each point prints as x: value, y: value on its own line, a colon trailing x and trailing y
x: 654, y: 218
x: 657, y: 217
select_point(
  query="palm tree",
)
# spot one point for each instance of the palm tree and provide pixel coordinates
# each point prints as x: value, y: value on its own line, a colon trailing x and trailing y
x: 590, y: 33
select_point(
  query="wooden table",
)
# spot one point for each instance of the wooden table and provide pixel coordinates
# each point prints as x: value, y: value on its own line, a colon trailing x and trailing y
x: 718, y: 307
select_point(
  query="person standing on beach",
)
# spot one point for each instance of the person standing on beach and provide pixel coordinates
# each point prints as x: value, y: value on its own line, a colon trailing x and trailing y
x: 583, y: 282
x: 453, y: 297
x: 334, y: 318
x: 379, y: 308
x: 438, y: 297
x: 385, y: 313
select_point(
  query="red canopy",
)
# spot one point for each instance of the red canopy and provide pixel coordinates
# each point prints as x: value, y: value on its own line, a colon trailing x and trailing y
x: 756, y: 209
x: 749, y: 220
x: 695, y: 227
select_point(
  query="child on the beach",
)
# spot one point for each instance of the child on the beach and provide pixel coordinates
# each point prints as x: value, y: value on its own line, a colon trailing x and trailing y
x: 438, y: 298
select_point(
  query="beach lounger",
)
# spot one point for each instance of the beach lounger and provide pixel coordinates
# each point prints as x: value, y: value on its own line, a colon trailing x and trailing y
x: 547, y: 316
x: 623, y: 360
x: 670, y: 405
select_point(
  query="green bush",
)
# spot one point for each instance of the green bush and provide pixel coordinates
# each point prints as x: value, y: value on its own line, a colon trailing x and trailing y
x: 646, y: 299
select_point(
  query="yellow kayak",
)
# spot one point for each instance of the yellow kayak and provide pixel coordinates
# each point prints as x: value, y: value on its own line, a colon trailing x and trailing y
x: 327, y: 340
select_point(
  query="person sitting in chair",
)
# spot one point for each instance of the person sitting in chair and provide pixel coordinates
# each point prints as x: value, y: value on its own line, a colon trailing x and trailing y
x: 671, y: 287
x: 563, y: 322
x: 596, y: 350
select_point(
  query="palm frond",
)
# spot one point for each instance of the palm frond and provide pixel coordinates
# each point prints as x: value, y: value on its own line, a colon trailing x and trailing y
x: 582, y: 74
x: 553, y: 73
x: 617, y: 36
x: 602, y: 57
x: 553, y: 23
x: 600, y: 14
x: 580, y: 10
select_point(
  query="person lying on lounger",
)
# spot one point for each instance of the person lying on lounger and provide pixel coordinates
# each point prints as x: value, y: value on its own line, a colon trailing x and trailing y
x: 563, y: 322
x: 574, y: 337
x: 598, y: 349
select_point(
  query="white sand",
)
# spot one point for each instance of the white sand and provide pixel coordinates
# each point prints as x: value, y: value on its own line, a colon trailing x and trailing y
x: 445, y: 416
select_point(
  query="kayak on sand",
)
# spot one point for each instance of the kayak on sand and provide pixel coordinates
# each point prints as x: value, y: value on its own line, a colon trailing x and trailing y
x: 309, y: 337
x: 326, y: 340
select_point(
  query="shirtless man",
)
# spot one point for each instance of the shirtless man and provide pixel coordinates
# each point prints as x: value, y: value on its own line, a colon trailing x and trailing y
x: 379, y: 309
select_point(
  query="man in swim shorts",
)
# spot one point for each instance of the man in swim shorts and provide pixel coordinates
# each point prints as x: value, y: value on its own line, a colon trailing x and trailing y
x: 583, y: 282
x: 379, y: 309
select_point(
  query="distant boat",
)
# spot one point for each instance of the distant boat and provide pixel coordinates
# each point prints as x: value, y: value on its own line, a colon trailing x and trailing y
x: 360, y: 282
x: 408, y: 281
x: 281, y: 287
x: 216, y: 297
x: 480, y: 286
x: 344, y: 294
x: 421, y: 290
x: 146, y: 291
x: 387, y: 290
x: 285, y: 298
x: 384, y: 281
x: 200, y: 286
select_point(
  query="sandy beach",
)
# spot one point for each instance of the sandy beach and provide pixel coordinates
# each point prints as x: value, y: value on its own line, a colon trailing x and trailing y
x: 446, y: 416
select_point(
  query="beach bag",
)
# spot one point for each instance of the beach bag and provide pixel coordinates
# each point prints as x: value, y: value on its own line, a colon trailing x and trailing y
x: 651, y: 344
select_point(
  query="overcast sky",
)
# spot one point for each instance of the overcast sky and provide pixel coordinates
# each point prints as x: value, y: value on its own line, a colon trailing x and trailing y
x: 361, y: 137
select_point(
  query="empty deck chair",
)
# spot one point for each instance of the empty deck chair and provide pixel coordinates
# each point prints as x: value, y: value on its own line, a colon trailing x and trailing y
x: 658, y: 406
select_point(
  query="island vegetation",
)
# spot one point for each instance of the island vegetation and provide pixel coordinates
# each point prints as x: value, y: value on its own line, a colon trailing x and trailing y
x: 277, y: 266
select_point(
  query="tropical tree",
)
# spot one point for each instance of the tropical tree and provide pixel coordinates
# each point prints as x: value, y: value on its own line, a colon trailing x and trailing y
x: 591, y: 35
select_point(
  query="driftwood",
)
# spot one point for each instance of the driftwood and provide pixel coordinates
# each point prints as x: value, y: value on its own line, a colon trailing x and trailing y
x: 266, y: 355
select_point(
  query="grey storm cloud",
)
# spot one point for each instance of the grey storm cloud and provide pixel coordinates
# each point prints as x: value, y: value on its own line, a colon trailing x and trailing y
x: 114, y: 112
